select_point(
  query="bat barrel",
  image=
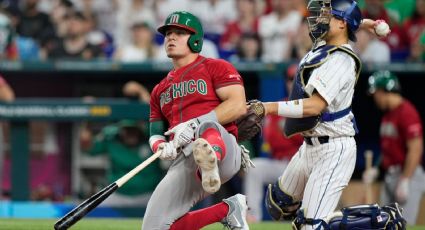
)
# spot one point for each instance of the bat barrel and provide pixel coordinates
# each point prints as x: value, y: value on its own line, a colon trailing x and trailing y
x: 81, y: 210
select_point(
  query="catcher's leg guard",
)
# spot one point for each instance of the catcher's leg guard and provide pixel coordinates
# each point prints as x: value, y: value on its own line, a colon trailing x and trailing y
x: 359, y: 217
x: 280, y: 205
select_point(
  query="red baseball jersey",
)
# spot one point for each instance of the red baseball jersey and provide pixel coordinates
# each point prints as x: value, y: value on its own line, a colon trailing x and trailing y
x: 281, y: 147
x: 397, y: 127
x: 190, y: 91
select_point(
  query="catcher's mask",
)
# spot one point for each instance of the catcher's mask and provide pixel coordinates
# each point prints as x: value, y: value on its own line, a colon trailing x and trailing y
x: 189, y: 22
x: 321, y: 12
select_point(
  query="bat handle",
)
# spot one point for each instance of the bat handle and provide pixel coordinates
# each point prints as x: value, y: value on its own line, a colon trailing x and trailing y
x: 368, y: 158
x: 368, y: 154
x: 134, y: 171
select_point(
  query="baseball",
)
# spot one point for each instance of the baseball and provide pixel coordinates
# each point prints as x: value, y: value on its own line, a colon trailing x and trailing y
x: 382, y: 29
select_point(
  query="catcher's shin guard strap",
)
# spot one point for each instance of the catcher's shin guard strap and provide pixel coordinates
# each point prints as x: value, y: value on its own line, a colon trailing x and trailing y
x: 300, y: 220
x: 280, y: 205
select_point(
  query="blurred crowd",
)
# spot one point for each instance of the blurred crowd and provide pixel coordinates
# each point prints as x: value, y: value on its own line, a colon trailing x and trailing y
x: 236, y: 30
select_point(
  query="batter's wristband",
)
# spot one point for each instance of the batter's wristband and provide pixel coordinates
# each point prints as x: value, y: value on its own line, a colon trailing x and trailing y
x: 155, y: 140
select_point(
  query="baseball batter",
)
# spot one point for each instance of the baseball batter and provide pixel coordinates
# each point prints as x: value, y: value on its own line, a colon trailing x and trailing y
x: 320, y: 109
x: 198, y: 101
x: 401, y: 135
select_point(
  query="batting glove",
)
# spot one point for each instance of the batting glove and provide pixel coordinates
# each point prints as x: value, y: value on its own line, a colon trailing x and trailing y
x: 370, y: 175
x: 402, y: 190
x: 168, y: 151
x: 184, y: 133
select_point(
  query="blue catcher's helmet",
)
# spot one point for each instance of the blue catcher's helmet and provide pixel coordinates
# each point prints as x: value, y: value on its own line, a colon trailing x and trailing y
x: 321, y: 12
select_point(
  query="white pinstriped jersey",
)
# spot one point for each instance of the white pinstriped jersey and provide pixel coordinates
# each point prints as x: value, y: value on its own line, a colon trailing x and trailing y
x: 334, y: 80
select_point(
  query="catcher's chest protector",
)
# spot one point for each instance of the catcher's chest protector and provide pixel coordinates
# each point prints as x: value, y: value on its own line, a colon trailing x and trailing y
x: 314, y: 59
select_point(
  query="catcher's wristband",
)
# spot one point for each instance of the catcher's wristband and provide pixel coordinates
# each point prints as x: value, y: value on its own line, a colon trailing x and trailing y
x: 155, y: 140
x: 291, y: 109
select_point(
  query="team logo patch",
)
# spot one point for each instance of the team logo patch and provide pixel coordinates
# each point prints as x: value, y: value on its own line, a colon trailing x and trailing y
x: 236, y: 76
x: 174, y: 18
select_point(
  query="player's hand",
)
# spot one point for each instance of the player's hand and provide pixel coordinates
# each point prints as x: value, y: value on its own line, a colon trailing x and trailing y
x: 168, y: 151
x: 402, y: 190
x: 372, y: 27
x: 184, y: 133
x: 370, y: 175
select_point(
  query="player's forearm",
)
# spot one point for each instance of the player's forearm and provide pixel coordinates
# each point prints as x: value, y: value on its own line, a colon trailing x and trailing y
x: 156, y: 131
x: 414, y: 156
x: 307, y: 107
x: 6, y: 93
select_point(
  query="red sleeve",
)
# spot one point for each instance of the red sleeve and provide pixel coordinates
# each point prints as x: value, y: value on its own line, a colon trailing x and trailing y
x: 155, y: 106
x: 223, y: 73
x: 411, y: 124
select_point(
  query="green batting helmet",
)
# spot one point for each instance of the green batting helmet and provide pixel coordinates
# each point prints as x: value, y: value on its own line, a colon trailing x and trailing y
x: 384, y: 80
x: 189, y: 22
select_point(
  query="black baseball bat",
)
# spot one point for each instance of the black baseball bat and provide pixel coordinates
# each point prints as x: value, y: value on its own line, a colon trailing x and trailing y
x: 92, y: 202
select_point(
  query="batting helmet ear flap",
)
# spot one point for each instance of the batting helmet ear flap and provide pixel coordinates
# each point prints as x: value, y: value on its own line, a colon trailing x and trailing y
x: 195, y: 43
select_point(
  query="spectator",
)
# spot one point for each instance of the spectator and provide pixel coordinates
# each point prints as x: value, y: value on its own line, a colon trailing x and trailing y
x: 126, y: 145
x: 6, y: 92
x: 415, y: 25
x: 129, y: 12
x: 248, y: 48
x: 370, y: 49
x: 301, y: 43
x: 163, y: 8
x: 247, y: 22
x: 104, y: 11
x: 60, y: 9
x: 400, y: 10
x: 32, y: 22
x: 276, y: 29
x: 6, y: 95
x: 136, y: 91
x: 75, y: 44
x: 267, y: 169
x: 374, y: 9
x: 214, y: 14
x: 401, y: 137
x: 141, y: 47
x: 8, y: 49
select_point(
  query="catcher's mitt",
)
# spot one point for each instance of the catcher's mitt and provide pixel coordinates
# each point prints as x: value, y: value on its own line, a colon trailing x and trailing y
x: 250, y: 123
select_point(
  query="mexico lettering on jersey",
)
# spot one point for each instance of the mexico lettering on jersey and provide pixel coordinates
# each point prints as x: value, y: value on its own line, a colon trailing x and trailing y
x: 190, y: 91
x: 397, y: 127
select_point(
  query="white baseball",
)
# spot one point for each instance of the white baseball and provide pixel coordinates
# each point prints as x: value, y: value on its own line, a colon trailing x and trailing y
x: 382, y: 29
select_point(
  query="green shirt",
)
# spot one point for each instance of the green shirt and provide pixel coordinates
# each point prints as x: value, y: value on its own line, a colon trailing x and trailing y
x: 123, y: 159
x: 400, y: 10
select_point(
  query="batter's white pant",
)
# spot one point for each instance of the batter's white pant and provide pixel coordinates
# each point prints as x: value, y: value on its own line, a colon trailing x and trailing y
x: 265, y: 172
x: 180, y: 189
x: 416, y: 189
x: 318, y: 173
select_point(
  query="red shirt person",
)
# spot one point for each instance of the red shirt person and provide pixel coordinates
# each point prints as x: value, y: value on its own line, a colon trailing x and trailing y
x: 401, y: 135
x: 193, y: 110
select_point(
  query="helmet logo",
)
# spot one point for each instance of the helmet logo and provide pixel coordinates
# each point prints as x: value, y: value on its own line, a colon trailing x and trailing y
x: 174, y: 18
